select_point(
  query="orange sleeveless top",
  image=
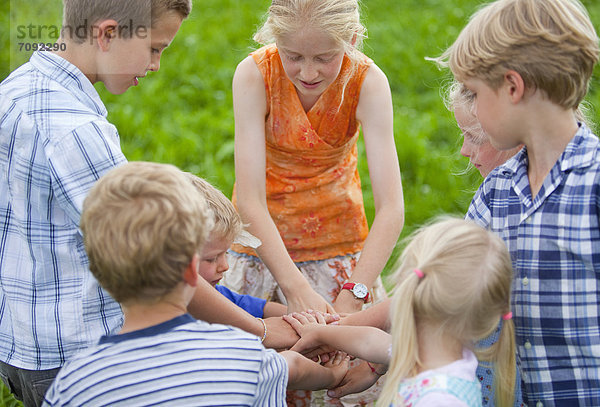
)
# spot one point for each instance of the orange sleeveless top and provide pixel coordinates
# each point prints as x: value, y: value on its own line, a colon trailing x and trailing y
x: 313, y: 188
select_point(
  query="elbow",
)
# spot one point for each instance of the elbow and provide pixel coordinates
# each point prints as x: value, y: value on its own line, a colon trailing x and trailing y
x: 248, y: 208
x: 398, y: 216
x: 393, y: 213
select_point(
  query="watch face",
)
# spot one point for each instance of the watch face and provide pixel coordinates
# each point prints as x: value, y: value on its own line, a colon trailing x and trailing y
x: 360, y: 290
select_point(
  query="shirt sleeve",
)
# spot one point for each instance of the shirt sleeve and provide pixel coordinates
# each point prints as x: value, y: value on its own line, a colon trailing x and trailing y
x: 252, y: 305
x: 78, y: 159
x: 479, y: 210
x: 272, y: 380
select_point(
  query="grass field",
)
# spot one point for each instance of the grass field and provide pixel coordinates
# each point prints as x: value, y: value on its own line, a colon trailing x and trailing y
x: 182, y: 114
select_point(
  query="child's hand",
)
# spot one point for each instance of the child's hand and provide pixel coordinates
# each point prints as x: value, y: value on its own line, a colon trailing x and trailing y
x: 338, y: 366
x: 356, y: 380
x: 304, y: 322
x: 306, y: 325
x: 307, y: 299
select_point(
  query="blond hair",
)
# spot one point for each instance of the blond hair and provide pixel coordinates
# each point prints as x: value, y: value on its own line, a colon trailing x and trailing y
x: 465, y: 290
x: 338, y: 18
x: 142, y: 223
x: 457, y: 96
x: 228, y: 223
x: 552, y: 44
x: 129, y: 15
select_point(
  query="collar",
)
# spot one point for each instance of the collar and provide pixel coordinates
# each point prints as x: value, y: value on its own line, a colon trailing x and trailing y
x: 581, y: 152
x: 70, y: 77
x: 150, y: 331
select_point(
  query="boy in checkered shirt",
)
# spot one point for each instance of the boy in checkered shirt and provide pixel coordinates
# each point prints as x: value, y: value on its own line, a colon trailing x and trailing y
x: 528, y: 64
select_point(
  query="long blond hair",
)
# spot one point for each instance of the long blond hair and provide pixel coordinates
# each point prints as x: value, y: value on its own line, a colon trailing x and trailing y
x: 465, y: 289
x: 338, y: 18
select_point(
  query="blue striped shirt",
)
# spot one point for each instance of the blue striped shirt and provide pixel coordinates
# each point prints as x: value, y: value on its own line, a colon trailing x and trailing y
x: 55, y: 142
x: 181, y: 362
x: 554, y: 241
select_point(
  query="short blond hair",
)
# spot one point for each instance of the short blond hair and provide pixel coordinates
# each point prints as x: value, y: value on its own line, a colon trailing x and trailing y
x: 552, y: 44
x: 338, y: 18
x: 463, y: 285
x: 142, y: 223
x: 457, y: 96
x: 228, y: 223
x: 129, y: 15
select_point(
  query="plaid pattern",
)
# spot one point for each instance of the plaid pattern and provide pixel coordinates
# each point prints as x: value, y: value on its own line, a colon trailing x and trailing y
x: 554, y: 241
x: 55, y: 142
x: 485, y: 375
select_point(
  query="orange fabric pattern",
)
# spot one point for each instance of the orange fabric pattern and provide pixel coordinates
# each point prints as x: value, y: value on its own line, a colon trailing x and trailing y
x: 312, y: 182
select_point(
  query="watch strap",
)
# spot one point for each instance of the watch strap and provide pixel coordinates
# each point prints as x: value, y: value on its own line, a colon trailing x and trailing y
x: 350, y: 286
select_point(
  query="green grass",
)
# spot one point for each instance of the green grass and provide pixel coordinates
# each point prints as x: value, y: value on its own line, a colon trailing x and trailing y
x: 182, y: 114
x: 6, y: 399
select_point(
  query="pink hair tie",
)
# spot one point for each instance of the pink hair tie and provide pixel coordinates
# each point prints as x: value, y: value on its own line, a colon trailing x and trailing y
x: 507, y: 316
x: 419, y: 273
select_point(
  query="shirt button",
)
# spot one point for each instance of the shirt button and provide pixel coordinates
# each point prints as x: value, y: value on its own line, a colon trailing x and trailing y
x: 527, y: 345
x: 525, y: 281
x: 539, y: 404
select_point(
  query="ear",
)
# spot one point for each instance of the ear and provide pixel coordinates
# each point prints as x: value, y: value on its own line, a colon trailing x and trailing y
x: 190, y: 275
x: 515, y: 85
x: 105, y: 33
x: 354, y: 38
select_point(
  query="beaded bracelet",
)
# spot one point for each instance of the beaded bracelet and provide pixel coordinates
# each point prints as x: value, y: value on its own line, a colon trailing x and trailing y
x: 265, y: 327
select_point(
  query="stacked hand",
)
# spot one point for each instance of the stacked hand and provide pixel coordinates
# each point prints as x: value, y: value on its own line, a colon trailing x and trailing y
x: 306, y: 325
x: 307, y: 298
x: 311, y: 327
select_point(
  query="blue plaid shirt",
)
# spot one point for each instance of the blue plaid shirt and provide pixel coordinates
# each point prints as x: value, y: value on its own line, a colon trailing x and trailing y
x: 55, y: 142
x: 554, y: 241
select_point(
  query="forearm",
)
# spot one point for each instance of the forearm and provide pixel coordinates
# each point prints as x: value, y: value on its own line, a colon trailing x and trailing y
x: 363, y: 342
x: 274, y: 309
x: 304, y: 374
x: 298, y: 293
x: 211, y: 306
x: 272, y: 251
x: 379, y: 244
x: 376, y: 316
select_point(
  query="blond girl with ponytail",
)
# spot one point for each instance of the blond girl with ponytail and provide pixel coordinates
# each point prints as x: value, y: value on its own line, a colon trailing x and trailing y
x: 452, y: 288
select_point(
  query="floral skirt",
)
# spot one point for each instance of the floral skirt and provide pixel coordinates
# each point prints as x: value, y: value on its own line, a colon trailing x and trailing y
x: 248, y: 275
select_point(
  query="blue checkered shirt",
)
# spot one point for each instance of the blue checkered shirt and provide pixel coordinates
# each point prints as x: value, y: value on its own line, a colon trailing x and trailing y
x: 554, y: 241
x: 55, y: 142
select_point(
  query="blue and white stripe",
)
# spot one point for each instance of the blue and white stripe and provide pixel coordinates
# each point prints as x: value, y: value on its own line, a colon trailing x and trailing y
x: 179, y: 362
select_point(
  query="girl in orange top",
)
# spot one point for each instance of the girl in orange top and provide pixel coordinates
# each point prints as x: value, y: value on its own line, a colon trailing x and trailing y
x: 298, y: 105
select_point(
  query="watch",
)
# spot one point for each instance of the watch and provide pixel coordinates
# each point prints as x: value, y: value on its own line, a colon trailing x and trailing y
x: 359, y: 290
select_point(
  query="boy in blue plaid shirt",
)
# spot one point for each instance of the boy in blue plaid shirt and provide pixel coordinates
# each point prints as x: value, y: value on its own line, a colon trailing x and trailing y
x: 528, y: 64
